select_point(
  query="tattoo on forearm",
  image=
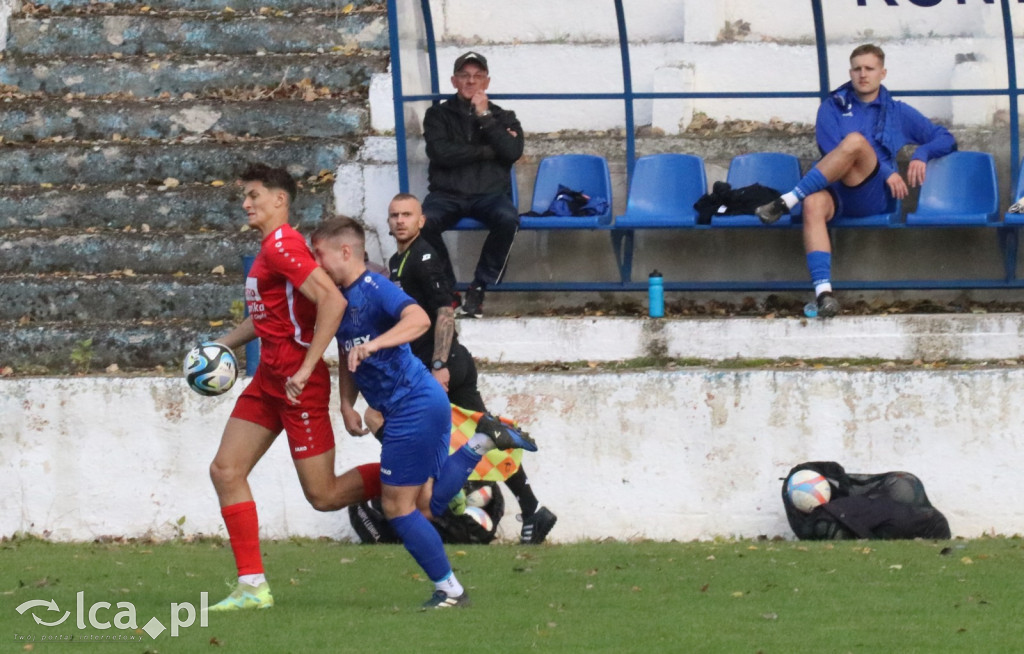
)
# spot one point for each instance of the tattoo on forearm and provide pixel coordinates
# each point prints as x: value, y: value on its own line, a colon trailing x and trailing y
x: 444, y: 331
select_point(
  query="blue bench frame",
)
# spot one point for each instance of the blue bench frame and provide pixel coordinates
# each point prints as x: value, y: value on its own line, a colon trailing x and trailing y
x: 1008, y: 233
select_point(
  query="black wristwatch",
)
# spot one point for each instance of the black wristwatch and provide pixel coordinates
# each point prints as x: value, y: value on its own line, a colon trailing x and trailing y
x: 438, y: 364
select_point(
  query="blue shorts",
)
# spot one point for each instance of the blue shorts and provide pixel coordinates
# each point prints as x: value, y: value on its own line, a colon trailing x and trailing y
x: 866, y: 199
x: 414, y: 444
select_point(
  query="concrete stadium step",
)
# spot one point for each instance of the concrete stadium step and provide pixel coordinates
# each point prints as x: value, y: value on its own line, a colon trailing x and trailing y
x: 213, y: 75
x: 49, y: 298
x: 201, y: 161
x: 107, y: 252
x: 33, y: 119
x: 257, y: 6
x: 185, y: 208
x: 43, y: 348
x: 221, y: 33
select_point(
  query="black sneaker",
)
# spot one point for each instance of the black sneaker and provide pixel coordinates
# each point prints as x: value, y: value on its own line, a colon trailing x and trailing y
x: 441, y: 600
x: 537, y: 526
x: 771, y: 212
x: 828, y: 306
x: 505, y: 437
x: 473, y: 304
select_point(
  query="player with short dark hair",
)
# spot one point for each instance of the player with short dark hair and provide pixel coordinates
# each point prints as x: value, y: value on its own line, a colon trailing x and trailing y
x: 295, y: 309
x: 418, y: 478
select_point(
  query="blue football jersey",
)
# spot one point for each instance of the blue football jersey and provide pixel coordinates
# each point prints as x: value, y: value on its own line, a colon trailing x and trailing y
x: 375, y: 306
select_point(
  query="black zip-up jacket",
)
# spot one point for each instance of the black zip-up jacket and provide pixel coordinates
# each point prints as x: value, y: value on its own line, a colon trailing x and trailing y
x: 421, y: 274
x: 469, y: 154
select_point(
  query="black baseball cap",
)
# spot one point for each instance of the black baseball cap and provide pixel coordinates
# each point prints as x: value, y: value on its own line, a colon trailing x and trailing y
x: 471, y: 58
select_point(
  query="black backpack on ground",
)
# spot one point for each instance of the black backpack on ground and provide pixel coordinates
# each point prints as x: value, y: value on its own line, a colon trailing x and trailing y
x: 371, y: 526
x: 890, y: 505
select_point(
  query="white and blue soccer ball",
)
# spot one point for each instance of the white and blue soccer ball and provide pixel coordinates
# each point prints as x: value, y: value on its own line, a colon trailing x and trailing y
x: 211, y: 369
x: 808, y: 490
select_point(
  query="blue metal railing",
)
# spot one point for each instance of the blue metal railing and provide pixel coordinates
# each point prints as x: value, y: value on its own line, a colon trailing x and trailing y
x: 1007, y: 236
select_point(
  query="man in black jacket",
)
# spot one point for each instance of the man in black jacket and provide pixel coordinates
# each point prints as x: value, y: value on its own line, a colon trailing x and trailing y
x: 472, y: 145
x: 420, y: 272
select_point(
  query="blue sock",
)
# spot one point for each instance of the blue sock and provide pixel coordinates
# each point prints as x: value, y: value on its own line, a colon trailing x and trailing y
x: 812, y: 182
x: 423, y: 542
x: 820, y: 266
x: 454, y: 473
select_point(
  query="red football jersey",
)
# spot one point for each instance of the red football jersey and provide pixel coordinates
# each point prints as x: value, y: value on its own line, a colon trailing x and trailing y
x: 283, y: 317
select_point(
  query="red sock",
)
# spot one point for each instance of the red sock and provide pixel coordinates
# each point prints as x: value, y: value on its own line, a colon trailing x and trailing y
x: 244, y: 532
x: 370, y: 472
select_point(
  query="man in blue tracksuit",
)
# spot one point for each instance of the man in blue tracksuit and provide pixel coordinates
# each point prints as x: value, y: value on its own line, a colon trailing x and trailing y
x: 860, y: 130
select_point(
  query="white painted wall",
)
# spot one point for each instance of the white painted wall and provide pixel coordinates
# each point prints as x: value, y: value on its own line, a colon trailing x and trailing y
x: 472, y: 21
x: 666, y: 454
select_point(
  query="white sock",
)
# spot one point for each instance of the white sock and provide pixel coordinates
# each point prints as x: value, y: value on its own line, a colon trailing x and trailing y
x: 790, y: 199
x: 253, y: 580
x: 825, y: 287
x: 481, y: 443
x: 450, y: 585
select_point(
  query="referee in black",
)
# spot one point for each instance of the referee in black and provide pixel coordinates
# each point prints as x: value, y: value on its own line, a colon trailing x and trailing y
x: 421, y: 273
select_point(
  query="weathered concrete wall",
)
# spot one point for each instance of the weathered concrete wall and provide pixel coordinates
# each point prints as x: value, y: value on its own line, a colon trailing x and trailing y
x: 678, y: 453
x: 682, y: 454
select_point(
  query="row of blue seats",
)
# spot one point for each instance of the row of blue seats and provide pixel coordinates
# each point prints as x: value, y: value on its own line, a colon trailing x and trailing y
x: 960, y: 190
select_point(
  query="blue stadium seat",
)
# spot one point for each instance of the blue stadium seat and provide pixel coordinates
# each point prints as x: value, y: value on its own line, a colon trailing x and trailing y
x: 960, y: 189
x: 776, y: 170
x: 472, y: 223
x: 662, y: 192
x: 661, y: 196
x: 587, y: 173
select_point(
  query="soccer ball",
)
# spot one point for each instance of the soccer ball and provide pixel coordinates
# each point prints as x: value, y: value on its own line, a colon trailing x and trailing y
x: 808, y: 490
x: 481, y: 517
x: 480, y: 497
x: 210, y: 369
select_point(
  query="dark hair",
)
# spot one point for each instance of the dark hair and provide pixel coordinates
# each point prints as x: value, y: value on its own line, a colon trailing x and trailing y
x: 272, y: 178
x: 868, y: 48
x: 339, y: 226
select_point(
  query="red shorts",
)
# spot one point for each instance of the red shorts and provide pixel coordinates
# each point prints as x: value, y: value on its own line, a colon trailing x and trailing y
x: 308, y: 424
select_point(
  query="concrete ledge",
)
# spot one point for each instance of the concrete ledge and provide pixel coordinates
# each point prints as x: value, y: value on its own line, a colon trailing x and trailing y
x: 134, y: 344
x: 215, y: 5
x: 111, y: 163
x: 128, y: 298
x: 113, y: 251
x: 216, y: 33
x: 905, y: 337
x: 146, y: 77
x: 35, y: 120
x: 187, y: 207
x: 684, y: 454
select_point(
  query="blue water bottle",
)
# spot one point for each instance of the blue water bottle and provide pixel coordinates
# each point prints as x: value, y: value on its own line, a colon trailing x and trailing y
x: 655, y: 295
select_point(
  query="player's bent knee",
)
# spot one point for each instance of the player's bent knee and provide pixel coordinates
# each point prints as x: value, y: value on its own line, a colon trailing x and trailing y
x: 225, y: 477
x: 854, y: 142
x: 324, y: 502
